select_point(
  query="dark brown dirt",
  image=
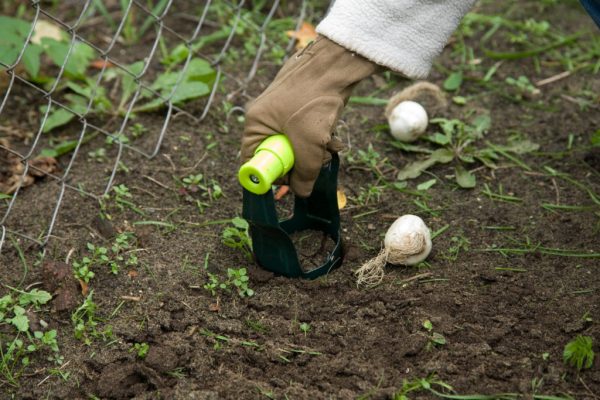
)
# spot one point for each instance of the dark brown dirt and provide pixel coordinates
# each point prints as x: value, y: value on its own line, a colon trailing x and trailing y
x: 313, y: 248
x: 506, y: 319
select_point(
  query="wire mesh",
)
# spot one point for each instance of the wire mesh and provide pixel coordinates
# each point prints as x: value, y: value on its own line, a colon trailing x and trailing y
x: 164, y: 25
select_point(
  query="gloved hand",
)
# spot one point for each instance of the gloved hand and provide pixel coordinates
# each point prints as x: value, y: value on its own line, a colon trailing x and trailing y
x: 304, y: 102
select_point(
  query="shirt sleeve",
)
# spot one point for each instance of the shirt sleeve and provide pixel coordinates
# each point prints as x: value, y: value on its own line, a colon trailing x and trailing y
x: 403, y: 35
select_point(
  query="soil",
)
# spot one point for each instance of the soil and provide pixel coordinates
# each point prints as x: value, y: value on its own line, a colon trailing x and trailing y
x: 313, y: 248
x: 506, y: 319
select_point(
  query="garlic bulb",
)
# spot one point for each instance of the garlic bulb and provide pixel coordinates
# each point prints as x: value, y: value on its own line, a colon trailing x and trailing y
x: 408, y: 120
x: 407, y: 241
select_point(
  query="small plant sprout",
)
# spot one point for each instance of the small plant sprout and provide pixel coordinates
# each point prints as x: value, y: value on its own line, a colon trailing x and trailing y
x: 239, y: 278
x: 578, y: 353
x: 305, y: 327
x: 237, y: 236
x: 435, y: 339
x: 407, y: 242
x: 141, y: 349
x: 408, y: 121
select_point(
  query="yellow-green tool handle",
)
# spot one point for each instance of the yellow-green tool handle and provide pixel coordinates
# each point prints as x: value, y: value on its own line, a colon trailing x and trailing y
x: 273, y: 158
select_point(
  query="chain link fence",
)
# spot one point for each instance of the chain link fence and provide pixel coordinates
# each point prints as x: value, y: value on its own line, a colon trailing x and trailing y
x: 120, y: 51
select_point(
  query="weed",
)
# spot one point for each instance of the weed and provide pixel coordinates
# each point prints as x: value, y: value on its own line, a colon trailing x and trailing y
x: 256, y: 326
x: 14, y: 32
x: 578, y: 353
x: 458, y: 244
x: 210, y: 190
x: 457, y: 142
x: 119, y: 254
x: 500, y: 195
x: 435, y: 338
x: 238, y: 237
x: 214, y: 284
x: 239, y: 278
x: 236, y: 278
x: 524, y: 88
x: 418, y: 385
x: 15, y: 352
x: 305, y: 328
x: 177, y: 373
x: 98, y: 155
x: 141, y: 349
x: 85, y: 322
x: 369, y: 194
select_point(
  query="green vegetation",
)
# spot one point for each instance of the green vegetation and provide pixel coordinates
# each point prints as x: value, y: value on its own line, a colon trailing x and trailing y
x: 20, y: 340
x: 86, y: 322
x: 435, y: 338
x: 140, y: 349
x: 120, y: 254
x: 578, y: 353
x: 238, y: 237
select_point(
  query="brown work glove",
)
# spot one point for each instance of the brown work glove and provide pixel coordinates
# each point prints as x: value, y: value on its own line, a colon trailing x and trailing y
x: 304, y: 102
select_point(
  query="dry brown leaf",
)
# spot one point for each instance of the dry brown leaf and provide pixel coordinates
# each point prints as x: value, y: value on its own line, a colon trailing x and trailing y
x: 341, y: 198
x: 214, y: 307
x: 42, y: 166
x: 100, y: 63
x: 46, y: 29
x: 84, y: 287
x: 132, y: 274
x: 304, y: 35
x: 12, y: 168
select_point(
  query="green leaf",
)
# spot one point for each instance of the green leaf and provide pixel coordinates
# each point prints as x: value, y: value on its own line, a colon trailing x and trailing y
x: 60, y: 149
x: 415, y: 169
x: 31, y: 60
x: 453, y: 81
x: 240, y: 223
x: 57, y: 117
x: 13, y: 33
x: 519, y: 146
x: 579, y: 353
x: 5, y: 301
x: 79, y: 58
x: 426, y: 185
x: 438, y: 338
x: 595, y: 138
x: 410, y: 147
x: 128, y: 82
x: 8, y: 55
x: 439, y: 138
x: 4, y: 196
x: 14, y: 25
x: 20, y: 320
x: 368, y: 101
x: 189, y: 90
x: 482, y: 123
x: 199, y: 69
x: 427, y: 325
x: 35, y: 296
x: 460, y: 100
x: 464, y: 178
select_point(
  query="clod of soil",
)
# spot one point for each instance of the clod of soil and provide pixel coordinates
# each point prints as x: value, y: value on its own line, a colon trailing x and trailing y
x: 57, y: 278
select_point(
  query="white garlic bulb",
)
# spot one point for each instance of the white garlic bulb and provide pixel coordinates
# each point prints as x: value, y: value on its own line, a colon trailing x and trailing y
x: 407, y: 241
x: 408, y: 120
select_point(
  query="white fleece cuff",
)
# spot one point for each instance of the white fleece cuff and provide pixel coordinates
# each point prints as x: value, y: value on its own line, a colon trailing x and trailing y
x: 403, y: 35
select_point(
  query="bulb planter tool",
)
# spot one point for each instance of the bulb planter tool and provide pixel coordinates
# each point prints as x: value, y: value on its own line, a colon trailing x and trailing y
x: 271, y: 243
